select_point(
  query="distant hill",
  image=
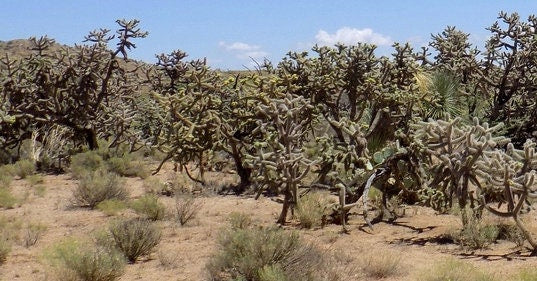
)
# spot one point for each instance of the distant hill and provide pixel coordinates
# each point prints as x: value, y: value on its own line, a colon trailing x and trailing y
x: 20, y: 48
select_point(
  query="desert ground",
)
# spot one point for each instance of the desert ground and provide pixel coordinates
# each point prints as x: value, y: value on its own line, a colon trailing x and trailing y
x: 184, y: 250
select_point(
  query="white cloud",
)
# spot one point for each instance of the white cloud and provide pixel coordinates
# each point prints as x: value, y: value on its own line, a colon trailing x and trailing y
x: 351, y: 36
x: 244, y: 51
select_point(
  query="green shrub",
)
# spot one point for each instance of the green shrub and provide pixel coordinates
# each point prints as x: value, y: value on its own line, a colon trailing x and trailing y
x: 149, y: 207
x: 127, y: 167
x: 135, y: 237
x: 239, y: 220
x: 312, y: 209
x: 24, y: 168
x: 454, y: 270
x: 7, y: 200
x: 111, y: 207
x: 85, y: 163
x: 264, y: 254
x: 186, y: 208
x: 98, y: 186
x: 75, y: 260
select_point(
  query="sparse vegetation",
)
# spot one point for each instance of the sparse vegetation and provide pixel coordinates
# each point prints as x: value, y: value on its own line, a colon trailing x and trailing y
x: 98, y: 186
x: 135, y: 237
x: 149, y: 207
x: 451, y: 127
x: 454, y: 270
x: 186, y: 208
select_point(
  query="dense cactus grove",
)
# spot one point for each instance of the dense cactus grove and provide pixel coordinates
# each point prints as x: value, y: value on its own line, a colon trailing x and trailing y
x: 448, y: 123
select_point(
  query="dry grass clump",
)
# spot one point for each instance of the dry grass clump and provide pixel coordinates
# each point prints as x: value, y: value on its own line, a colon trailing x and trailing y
x: 454, y: 270
x: 264, y: 254
x: 186, y: 208
x: 239, y: 220
x: 476, y: 234
x: 135, y: 237
x: 313, y: 208
x: 511, y: 233
x: 32, y: 233
x: 378, y: 265
x: 75, y: 260
x: 149, y: 207
x: 98, y: 186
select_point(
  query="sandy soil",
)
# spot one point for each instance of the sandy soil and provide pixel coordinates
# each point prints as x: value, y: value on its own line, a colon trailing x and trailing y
x: 184, y: 251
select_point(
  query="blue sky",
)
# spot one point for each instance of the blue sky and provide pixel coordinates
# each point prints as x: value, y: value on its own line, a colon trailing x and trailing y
x: 228, y: 33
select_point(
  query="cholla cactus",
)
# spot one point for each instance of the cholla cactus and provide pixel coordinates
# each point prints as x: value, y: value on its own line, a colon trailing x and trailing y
x: 469, y: 162
x: 453, y: 151
x: 279, y: 161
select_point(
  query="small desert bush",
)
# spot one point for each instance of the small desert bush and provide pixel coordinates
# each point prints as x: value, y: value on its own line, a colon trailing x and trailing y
x: 264, y: 254
x: 239, y: 220
x: 98, y: 186
x: 454, y: 270
x: 186, y: 208
x: 476, y: 234
x: 128, y: 167
x: 74, y: 260
x: 149, y: 207
x: 7, y: 200
x: 378, y: 265
x: 85, y: 163
x: 111, y: 207
x: 135, y: 237
x: 312, y: 209
x: 32, y: 233
x: 6, y: 175
x: 24, y: 168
